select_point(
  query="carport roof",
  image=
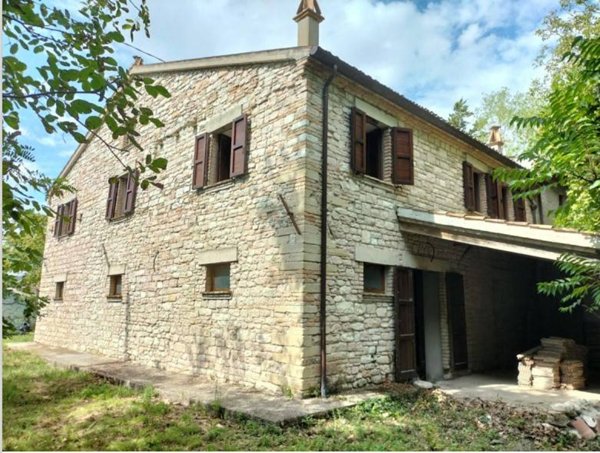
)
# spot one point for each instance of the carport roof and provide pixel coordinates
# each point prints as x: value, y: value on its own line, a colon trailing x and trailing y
x: 539, y: 241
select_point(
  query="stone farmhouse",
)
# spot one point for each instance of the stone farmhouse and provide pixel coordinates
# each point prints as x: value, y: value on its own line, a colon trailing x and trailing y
x: 317, y: 231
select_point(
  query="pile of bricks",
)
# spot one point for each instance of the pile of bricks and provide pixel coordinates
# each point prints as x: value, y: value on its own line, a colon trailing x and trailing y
x: 557, y: 363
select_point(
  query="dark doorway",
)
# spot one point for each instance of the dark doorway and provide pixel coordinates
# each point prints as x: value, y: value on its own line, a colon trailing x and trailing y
x: 420, y: 325
x: 404, y: 324
x: 456, y: 314
x: 418, y: 334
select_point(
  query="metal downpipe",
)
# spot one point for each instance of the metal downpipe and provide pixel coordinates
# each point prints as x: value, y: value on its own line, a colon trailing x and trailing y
x: 324, y: 227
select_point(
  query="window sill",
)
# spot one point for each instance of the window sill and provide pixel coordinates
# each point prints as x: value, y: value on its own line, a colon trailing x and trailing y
x: 377, y: 297
x: 57, y: 300
x: 376, y: 182
x: 217, y: 295
x: 121, y: 219
x: 216, y: 187
x: 115, y: 299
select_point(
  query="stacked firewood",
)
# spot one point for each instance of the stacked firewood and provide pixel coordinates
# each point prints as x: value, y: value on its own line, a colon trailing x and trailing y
x: 557, y: 363
x: 572, y: 375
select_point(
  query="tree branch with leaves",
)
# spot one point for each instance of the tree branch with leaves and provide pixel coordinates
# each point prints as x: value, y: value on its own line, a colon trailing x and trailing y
x: 61, y: 67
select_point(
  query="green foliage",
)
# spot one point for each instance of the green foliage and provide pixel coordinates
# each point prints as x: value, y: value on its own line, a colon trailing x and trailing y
x: 75, y: 87
x: 22, y: 254
x: 49, y: 409
x: 460, y: 115
x: 571, y: 19
x: 581, y: 281
x: 499, y: 107
x: 79, y: 85
x: 566, y: 154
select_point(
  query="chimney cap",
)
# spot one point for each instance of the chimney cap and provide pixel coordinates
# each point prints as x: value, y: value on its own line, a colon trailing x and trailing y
x: 495, y: 139
x: 309, y: 8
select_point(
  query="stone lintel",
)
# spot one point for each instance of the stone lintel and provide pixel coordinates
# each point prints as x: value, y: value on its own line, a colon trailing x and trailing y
x: 224, y: 119
x: 215, y: 256
x: 376, y: 113
x: 116, y: 269
x: 376, y: 255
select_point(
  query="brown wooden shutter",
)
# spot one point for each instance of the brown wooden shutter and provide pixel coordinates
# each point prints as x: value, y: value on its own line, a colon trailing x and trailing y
x: 200, y: 162
x: 239, y: 160
x: 402, y: 156
x: 72, y: 215
x: 130, y: 193
x: 358, y: 126
x: 491, y: 189
x: 469, y: 186
x: 111, y: 201
x: 58, y: 220
x: 502, y: 201
x: 520, y: 212
x: 404, y: 325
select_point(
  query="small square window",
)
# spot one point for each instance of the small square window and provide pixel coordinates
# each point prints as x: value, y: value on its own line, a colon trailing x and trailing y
x: 374, y: 278
x: 60, y: 289
x: 218, y: 277
x: 116, y: 286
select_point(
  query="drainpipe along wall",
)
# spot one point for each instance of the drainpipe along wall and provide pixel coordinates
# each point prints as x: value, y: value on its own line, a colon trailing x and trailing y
x: 323, y: 263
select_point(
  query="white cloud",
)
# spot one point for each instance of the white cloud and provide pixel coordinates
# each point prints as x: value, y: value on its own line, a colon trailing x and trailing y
x: 433, y: 54
x: 65, y: 153
x: 47, y: 140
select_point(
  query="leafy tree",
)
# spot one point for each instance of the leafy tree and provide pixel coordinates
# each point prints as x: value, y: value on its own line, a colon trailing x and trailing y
x: 22, y: 254
x: 499, y: 107
x: 566, y: 153
x: 460, y: 115
x: 571, y: 19
x: 61, y: 68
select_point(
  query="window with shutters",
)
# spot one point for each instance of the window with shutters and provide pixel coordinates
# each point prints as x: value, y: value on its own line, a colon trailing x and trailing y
x: 503, y: 201
x: 66, y: 217
x: 477, y: 181
x: 367, y: 144
x: 520, y: 210
x: 497, y: 195
x: 218, y: 278
x: 472, y: 184
x: 221, y: 155
x: 121, y: 196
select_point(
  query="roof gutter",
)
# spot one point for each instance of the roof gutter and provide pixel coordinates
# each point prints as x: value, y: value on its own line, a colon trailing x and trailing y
x: 324, y: 227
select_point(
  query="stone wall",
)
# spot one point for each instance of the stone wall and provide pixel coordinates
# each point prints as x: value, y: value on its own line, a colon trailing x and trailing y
x: 362, y: 213
x: 266, y: 334
x: 253, y: 337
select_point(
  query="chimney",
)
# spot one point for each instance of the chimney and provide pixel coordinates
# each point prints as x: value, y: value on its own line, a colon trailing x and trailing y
x: 495, y: 140
x: 308, y: 18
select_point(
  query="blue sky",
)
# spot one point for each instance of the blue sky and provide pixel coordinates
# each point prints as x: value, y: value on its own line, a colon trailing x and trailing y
x: 433, y: 52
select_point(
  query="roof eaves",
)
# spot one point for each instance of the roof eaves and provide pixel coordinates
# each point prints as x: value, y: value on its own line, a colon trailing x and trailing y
x: 356, y: 75
x: 261, y: 57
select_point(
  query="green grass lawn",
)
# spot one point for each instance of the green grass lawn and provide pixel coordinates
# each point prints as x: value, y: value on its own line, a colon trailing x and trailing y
x: 45, y: 408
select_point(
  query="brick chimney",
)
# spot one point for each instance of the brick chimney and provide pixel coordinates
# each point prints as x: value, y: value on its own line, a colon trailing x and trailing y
x: 308, y: 18
x: 495, y: 141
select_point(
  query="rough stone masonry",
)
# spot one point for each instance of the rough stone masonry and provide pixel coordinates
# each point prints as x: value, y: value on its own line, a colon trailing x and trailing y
x: 265, y: 333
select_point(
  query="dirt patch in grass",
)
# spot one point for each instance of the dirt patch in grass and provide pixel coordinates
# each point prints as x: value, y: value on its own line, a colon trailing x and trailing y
x: 50, y: 409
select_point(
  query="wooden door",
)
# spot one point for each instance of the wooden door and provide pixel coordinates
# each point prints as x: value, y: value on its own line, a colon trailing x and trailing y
x: 404, y: 324
x: 456, y: 314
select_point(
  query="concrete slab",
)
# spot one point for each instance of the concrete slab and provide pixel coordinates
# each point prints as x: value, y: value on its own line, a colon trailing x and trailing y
x: 504, y: 388
x: 185, y: 389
